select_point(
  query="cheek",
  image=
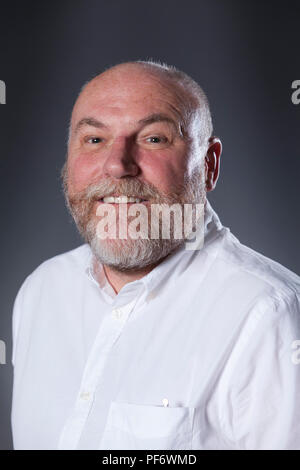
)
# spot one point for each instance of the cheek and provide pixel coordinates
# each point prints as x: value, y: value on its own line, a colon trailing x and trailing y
x: 83, y: 170
x: 165, y: 171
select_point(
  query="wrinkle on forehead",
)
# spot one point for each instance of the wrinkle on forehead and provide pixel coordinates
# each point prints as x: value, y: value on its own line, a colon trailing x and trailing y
x: 130, y: 81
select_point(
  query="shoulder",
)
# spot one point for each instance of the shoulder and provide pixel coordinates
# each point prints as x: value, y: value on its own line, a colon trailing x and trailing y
x: 57, y: 275
x: 60, y: 266
x: 73, y: 259
x: 51, y: 279
x: 250, y: 266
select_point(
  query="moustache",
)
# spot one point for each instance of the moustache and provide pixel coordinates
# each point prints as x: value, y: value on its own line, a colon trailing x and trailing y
x: 126, y: 187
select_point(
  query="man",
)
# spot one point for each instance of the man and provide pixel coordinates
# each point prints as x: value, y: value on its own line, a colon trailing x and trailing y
x: 143, y: 343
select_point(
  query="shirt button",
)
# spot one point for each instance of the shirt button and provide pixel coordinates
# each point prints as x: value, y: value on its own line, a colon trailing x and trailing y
x: 117, y: 314
x: 85, y: 396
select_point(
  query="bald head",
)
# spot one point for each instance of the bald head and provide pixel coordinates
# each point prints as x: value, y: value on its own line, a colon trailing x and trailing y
x: 191, y: 99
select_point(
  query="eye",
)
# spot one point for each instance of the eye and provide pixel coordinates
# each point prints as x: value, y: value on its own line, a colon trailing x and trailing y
x: 93, y: 140
x: 157, y: 139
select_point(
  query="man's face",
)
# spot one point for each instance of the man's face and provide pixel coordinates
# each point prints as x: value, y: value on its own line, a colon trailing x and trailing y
x: 129, y: 136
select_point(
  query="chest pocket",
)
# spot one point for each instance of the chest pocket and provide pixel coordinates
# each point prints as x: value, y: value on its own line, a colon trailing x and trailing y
x: 145, y: 427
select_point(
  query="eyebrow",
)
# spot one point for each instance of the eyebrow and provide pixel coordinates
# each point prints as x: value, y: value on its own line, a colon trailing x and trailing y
x: 156, y: 117
x: 89, y: 121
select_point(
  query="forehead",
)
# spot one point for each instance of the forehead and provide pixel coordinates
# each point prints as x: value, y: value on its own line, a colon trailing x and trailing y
x: 129, y: 96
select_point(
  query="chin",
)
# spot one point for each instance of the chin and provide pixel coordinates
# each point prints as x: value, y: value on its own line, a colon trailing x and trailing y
x: 130, y: 255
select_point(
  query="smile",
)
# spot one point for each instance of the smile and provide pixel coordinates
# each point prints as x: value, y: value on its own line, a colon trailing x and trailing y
x: 121, y: 199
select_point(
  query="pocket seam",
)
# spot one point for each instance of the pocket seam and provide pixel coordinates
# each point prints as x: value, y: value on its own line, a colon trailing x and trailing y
x: 188, y: 418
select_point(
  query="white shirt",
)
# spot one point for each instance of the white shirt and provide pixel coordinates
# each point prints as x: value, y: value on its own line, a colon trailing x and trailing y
x: 195, y: 355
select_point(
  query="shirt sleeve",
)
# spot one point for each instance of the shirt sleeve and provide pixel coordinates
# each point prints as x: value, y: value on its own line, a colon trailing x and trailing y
x: 265, y: 387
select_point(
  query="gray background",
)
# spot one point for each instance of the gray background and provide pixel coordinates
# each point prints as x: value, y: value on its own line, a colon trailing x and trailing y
x: 244, y: 55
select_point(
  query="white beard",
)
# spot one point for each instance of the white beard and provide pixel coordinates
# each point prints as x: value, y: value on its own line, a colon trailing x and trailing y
x: 132, y: 254
x: 129, y: 254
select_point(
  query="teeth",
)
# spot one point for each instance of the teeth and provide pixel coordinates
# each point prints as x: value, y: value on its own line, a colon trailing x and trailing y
x: 121, y: 199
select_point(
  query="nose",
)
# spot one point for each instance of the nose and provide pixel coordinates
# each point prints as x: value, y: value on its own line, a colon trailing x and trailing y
x: 120, y: 161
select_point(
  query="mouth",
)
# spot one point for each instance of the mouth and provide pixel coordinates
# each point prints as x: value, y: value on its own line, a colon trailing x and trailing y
x: 121, y: 199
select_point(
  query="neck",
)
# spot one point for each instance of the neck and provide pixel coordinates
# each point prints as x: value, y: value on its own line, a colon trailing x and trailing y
x: 119, y: 279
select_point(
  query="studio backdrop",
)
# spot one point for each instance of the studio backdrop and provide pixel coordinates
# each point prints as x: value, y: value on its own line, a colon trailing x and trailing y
x: 245, y: 55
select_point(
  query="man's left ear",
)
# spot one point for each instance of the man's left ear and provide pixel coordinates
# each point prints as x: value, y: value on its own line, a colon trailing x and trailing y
x: 212, y: 163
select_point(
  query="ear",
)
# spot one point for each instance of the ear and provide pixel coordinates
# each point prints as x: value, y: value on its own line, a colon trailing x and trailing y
x: 212, y: 162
